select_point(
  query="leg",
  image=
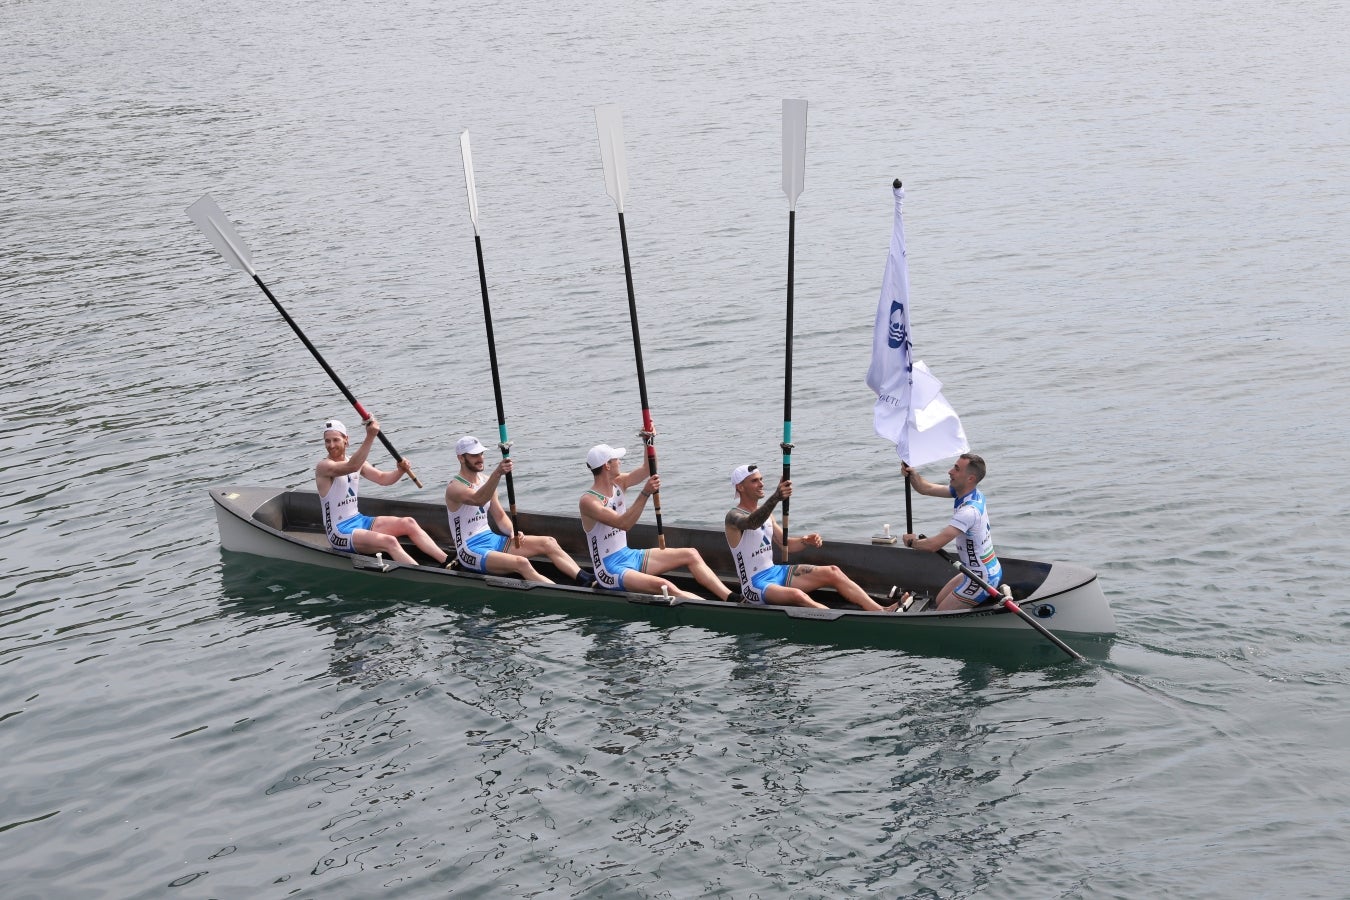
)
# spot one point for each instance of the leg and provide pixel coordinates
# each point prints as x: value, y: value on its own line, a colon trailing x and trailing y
x: 642, y: 583
x: 808, y: 578
x: 406, y: 526
x: 781, y: 595
x: 499, y: 562
x: 532, y: 545
x: 661, y: 561
x: 372, y: 542
x: 953, y: 597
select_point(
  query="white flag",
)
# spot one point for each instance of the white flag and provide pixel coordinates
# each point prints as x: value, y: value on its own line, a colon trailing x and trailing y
x: 910, y: 411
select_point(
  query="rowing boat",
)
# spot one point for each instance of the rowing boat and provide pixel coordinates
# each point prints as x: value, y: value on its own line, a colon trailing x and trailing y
x: 286, y: 525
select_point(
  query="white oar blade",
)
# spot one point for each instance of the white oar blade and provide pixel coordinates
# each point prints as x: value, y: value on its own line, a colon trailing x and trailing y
x: 211, y: 219
x: 794, y: 150
x: 468, y: 178
x: 609, y: 124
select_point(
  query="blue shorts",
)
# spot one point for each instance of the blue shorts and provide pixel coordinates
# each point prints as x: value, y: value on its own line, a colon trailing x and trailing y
x: 761, y: 581
x: 474, y: 554
x: 612, y: 567
x: 351, y: 523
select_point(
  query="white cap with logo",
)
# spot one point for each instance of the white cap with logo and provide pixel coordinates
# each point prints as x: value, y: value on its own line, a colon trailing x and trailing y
x: 600, y: 454
x: 335, y: 425
x: 469, y: 445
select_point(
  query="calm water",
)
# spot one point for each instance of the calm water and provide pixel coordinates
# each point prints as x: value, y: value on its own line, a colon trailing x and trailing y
x: 1126, y: 232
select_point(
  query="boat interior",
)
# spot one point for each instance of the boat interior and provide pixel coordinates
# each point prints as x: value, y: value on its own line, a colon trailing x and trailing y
x: 884, y: 571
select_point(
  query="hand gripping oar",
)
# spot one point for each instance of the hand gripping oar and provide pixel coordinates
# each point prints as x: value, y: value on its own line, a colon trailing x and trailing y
x: 794, y: 179
x: 609, y: 124
x: 1006, y: 600
x: 212, y: 221
x: 504, y: 444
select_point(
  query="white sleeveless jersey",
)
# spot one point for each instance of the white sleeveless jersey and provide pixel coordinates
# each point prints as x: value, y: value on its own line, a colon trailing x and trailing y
x: 468, y: 520
x: 339, y: 504
x: 605, y: 539
x: 753, y: 554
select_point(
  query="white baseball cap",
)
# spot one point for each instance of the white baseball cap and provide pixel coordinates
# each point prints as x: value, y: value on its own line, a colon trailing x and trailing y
x: 600, y: 454
x: 335, y: 425
x: 740, y: 473
x: 468, y: 444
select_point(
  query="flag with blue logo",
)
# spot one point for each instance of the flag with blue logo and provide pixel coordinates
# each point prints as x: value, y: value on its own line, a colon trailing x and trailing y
x: 910, y: 411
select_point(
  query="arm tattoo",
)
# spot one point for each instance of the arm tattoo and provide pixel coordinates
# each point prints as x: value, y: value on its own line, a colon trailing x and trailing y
x: 739, y: 518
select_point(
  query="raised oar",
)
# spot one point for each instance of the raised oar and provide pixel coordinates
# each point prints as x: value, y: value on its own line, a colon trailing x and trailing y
x: 1006, y: 600
x: 212, y: 221
x: 504, y: 444
x: 609, y: 124
x: 794, y: 179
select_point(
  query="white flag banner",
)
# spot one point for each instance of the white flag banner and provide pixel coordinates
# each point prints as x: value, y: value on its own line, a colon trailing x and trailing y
x: 910, y: 411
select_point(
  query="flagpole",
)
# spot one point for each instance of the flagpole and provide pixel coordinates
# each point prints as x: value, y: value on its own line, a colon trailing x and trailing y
x: 609, y: 125
x: 909, y: 488
x: 909, y: 506
x: 794, y: 179
x: 907, y: 391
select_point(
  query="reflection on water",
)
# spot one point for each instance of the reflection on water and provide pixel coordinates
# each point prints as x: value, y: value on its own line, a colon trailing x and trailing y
x: 588, y: 746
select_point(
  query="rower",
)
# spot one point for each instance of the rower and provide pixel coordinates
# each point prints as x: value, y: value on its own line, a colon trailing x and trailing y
x: 606, y: 518
x: 970, y: 522
x: 473, y: 507
x: 338, y: 478
x: 752, y: 532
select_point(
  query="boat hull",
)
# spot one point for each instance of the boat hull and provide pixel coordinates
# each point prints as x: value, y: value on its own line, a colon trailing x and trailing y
x: 284, y: 525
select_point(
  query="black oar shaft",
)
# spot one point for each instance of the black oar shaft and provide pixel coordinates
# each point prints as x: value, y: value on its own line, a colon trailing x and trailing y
x: 648, y: 431
x: 351, y: 398
x: 496, y: 378
x: 787, y: 376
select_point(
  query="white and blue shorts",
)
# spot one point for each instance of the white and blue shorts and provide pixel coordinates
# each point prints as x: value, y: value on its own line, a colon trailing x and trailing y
x: 612, y: 567
x: 761, y: 580
x: 347, y: 526
x: 474, y: 554
x: 971, y: 594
